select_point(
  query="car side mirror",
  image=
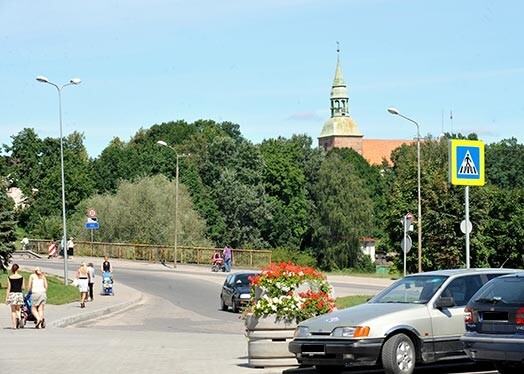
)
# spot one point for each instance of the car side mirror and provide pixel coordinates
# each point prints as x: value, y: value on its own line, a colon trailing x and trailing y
x: 445, y: 302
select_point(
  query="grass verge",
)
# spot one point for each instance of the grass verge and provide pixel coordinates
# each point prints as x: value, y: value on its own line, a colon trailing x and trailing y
x: 57, y: 292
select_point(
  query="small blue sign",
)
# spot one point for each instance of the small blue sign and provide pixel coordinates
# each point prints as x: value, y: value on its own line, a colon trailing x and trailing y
x: 92, y: 225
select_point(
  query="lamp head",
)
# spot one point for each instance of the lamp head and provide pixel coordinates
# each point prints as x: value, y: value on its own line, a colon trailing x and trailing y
x: 162, y: 143
x: 43, y: 79
x: 393, y: 111
x: 75, y: 81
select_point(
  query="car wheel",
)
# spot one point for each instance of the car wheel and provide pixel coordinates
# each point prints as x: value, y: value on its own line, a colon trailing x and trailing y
x: 508, y: 369
x: 235, y: 306
x: 328, y: 369
x: 223, y: 305
x: 398, y: 355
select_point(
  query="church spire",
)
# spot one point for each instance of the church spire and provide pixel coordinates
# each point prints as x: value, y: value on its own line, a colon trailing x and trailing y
x: 339, y: 92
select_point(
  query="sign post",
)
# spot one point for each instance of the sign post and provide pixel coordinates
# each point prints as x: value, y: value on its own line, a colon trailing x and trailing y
x: 466, y: 168
x: 406, y: 241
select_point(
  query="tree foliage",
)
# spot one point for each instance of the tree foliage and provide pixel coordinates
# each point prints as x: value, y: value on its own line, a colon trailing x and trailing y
x: 7, y: 226
x: 344, y: 214
x: 143, y: 212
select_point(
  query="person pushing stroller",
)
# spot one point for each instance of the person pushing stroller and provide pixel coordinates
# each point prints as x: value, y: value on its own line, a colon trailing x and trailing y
x: 218, y: 261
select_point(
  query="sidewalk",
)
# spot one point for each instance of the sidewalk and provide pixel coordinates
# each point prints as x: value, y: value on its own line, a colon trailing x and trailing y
x: 68, y: 314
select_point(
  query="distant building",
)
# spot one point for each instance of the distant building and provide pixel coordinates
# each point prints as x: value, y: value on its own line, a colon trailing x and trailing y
x: 341, y: 131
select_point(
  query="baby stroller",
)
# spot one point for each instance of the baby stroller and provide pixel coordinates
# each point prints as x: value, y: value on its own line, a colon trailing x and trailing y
x: 107, y: 283
x: 218, y: 264
x: 26, y: 314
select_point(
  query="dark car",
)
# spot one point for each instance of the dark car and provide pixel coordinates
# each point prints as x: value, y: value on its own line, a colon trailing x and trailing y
x: 418, y: 319
x: 236, y: 291
x: 495, y: 324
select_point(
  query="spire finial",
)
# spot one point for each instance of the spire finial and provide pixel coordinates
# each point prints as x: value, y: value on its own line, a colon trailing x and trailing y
x: 338, y: 47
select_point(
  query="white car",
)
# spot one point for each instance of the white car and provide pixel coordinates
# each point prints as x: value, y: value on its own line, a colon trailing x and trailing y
x: 419, y: 318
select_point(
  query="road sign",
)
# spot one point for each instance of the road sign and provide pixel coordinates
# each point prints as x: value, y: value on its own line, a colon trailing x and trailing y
x: 466, y: 162
x: 91, y: 213
x: 92, y: 225
x: 409, y: 244
x: 463, y: 227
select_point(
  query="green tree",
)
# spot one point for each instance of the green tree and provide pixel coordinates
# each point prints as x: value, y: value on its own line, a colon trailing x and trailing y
x: 143, y: 212
x: 7, y: 226
x: 231, y: 174
x: 286, y: 184
x: 343, y: 214
x: 504, y: 166
x: 504, y: 227
x: 35, y: 167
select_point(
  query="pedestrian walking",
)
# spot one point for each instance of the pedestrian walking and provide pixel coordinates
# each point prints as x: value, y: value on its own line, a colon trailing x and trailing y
x: 106, y: 266
x: 227, y: 258
x: 70, y: 247
x: 38, y: 288
x: 91, y: 282
x: 82, y: 276
x: 25, y: 243
x: 14, y: 295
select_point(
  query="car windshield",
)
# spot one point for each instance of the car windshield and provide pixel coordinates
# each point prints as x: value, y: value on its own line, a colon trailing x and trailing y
x: 502, y: 290
x: 410, y: 290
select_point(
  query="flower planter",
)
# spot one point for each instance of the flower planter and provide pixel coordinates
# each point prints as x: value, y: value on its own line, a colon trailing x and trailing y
x: 268, y: 341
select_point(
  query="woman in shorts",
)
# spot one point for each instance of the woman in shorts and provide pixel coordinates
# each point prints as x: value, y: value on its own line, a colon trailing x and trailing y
x: 14, y: 295
x: 82, y: 276
x: 38, y: 287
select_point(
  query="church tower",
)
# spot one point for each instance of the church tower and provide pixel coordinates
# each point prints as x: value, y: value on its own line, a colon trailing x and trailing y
x: 340, y: 131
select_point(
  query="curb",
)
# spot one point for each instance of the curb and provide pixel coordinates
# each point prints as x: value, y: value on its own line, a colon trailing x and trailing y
x: 86, y: 316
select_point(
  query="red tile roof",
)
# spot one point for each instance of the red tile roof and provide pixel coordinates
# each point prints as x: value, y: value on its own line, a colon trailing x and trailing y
x: 374, y: 150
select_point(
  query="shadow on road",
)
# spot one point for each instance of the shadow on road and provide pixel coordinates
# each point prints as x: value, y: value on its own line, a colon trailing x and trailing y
x: 456, y: 367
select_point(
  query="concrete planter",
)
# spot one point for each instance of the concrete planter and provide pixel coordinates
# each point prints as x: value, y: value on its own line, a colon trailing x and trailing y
x: 268, y: 341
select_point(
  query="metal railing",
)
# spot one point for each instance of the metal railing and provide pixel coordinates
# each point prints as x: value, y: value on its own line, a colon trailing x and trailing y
x: 160, y: 253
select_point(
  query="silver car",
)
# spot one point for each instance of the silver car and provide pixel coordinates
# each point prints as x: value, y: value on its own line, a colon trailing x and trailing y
x: 419, y: 318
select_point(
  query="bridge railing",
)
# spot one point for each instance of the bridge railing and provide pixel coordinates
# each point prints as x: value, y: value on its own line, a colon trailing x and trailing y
x: 160, y: 253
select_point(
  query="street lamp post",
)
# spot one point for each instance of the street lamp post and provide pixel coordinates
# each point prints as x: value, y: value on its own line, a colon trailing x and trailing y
x: 73, y: 81
x: 164, y: 144
x: 419, y: 218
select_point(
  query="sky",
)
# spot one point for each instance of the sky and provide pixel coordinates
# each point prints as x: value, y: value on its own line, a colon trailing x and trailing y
x: 452, y: 66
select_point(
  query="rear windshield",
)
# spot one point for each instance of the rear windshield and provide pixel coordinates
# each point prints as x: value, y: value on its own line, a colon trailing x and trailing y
x: 410, y: 290
x: 243, y: 279
x: 508, y: 290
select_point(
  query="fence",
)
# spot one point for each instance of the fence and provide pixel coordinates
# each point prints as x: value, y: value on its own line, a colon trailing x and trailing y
x: 160, y: 253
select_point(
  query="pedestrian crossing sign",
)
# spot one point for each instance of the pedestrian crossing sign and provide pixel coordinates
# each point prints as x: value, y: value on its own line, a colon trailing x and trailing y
x: 466, y: 162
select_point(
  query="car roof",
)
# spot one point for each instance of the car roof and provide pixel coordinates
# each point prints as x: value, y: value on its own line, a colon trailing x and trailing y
x: 519, y: 274
x: 245, y: 272
x: 457, y: 272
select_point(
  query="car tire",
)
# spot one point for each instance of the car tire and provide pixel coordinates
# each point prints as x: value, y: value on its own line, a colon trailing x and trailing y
x: 509, y: 369
x: 328, y: 369
x: 398, y: 355
x: 223, y: 305
x: 234, y: 306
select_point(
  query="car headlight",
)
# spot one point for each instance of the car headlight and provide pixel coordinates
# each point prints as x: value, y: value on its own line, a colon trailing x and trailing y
x: 301, y: 331
x: 245, y: 296
x: 352, y: 332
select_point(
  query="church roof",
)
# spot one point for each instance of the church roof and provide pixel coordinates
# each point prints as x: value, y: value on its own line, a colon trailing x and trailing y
x: 340, y: 126
x: 375, y: 150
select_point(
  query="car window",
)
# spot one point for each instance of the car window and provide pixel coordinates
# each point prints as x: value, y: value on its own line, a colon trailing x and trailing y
x: 243, y: 279
x: 417, y: 290
x: 508, y: 290
x: 462, y: 288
